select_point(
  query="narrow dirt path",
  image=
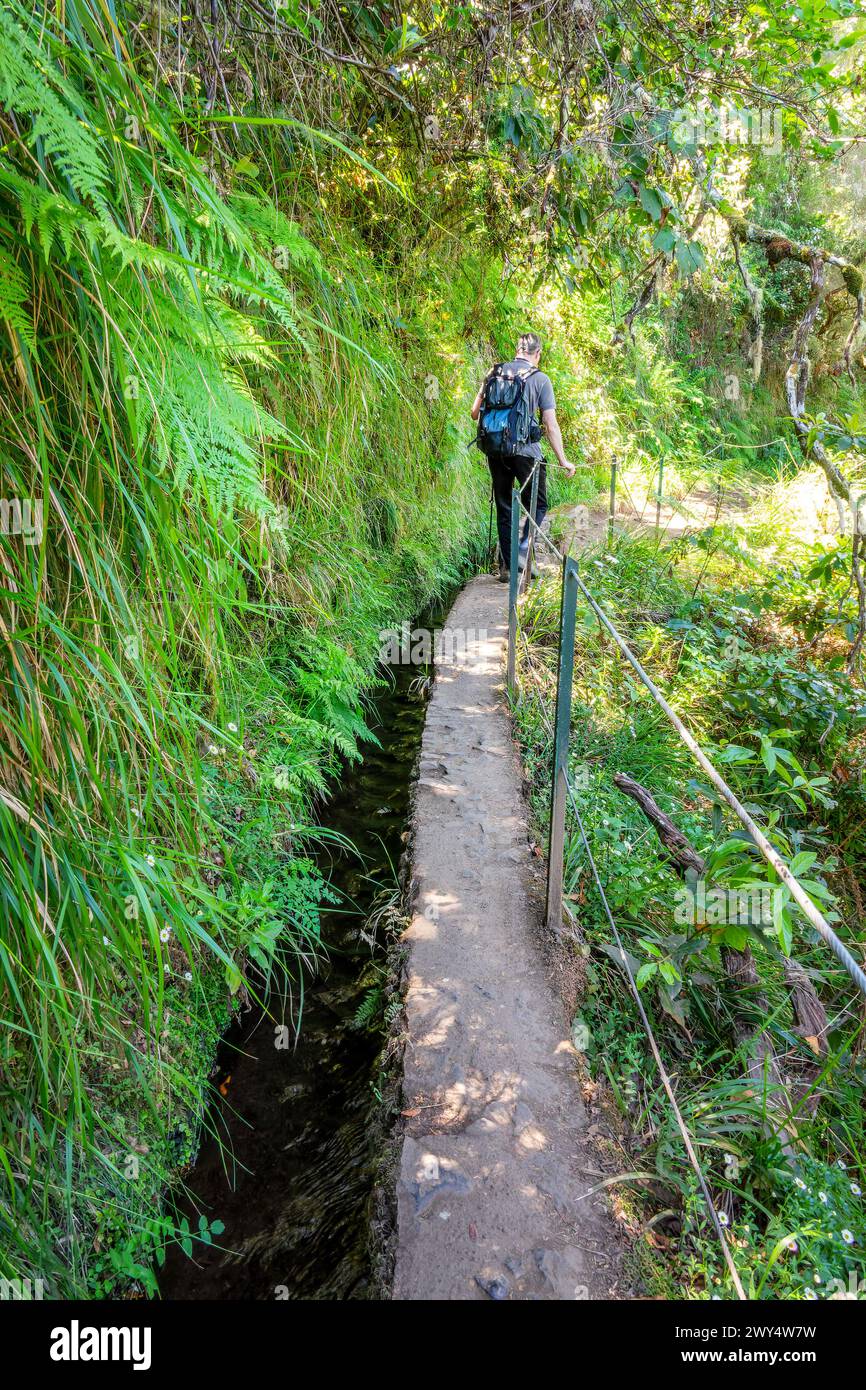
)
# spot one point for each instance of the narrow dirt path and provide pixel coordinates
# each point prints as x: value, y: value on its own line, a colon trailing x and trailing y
x: 496, y: 1162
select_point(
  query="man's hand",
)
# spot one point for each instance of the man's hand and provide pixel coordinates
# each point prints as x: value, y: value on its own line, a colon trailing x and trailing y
x: 554, y: 435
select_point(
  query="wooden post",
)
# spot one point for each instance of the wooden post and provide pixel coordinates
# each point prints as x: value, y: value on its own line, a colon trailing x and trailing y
x: 559, y: 780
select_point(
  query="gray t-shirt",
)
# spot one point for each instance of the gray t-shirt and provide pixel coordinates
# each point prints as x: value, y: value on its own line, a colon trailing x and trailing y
x: 539, y: 393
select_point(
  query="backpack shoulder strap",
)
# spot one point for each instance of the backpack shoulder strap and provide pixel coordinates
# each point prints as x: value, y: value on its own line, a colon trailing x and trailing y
x: 524, y: 377
x: 494, y: 372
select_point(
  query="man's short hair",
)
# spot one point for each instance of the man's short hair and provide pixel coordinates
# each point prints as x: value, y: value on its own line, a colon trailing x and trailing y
x: 529, y: 343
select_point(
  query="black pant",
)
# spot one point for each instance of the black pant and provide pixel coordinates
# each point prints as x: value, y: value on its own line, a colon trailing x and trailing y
x: 503, y: 471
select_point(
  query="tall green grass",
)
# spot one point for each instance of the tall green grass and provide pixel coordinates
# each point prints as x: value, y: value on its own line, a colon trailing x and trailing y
x: 222, y: 410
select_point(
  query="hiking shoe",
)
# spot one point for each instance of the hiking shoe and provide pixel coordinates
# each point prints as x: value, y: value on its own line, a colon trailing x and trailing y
x: 504, y: 575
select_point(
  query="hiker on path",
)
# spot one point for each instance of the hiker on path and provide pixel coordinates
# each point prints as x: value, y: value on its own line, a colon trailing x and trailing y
x: 512, y: 396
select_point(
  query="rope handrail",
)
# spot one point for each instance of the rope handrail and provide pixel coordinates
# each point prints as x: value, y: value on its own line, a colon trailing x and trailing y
x: 562, y: 794
x: 771, y: 855
x: 542, y: 535
x: 759, y: 839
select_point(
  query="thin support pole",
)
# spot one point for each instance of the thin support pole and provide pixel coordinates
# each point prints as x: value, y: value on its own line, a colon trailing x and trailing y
x: 533, y: 508
x: 559, y: 780
x: 659, y: 493
x: 612, y: 511
x: 513, y: 577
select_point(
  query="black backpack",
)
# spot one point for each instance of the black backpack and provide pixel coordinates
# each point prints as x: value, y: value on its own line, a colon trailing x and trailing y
x: 506, y: 424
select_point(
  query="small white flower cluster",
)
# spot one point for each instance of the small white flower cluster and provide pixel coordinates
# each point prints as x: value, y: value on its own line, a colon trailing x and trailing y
x: 845, y: 1234
x: 215, y: 750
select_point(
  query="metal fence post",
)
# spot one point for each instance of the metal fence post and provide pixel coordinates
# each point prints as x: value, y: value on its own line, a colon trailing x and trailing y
x: 533, y: 507
x: 659, y: 493
x: 559, y: 782
x: 612, y: 512
x: 513, y: 577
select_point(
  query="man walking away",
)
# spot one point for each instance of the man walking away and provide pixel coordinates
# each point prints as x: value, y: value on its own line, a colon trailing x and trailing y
x: 507, y: 407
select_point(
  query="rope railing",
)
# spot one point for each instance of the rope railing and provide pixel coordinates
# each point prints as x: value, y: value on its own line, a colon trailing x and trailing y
x: 812, y: 913
x: 773, y: 858
x: 563, y: 795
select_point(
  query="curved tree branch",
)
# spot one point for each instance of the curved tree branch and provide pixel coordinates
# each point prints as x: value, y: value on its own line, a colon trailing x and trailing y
x: 777, y: 247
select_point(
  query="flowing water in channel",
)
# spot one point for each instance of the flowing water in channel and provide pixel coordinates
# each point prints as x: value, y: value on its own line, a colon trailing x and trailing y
x: 295, y: 1200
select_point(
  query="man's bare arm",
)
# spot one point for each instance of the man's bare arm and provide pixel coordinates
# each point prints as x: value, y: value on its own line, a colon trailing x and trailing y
x: 554, y: 434
x: 479, y: 399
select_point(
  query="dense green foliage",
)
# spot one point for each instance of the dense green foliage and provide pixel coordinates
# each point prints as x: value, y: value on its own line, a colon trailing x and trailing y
x: 741, y: 621
x: 251, y: 266
x: 242, y: 481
